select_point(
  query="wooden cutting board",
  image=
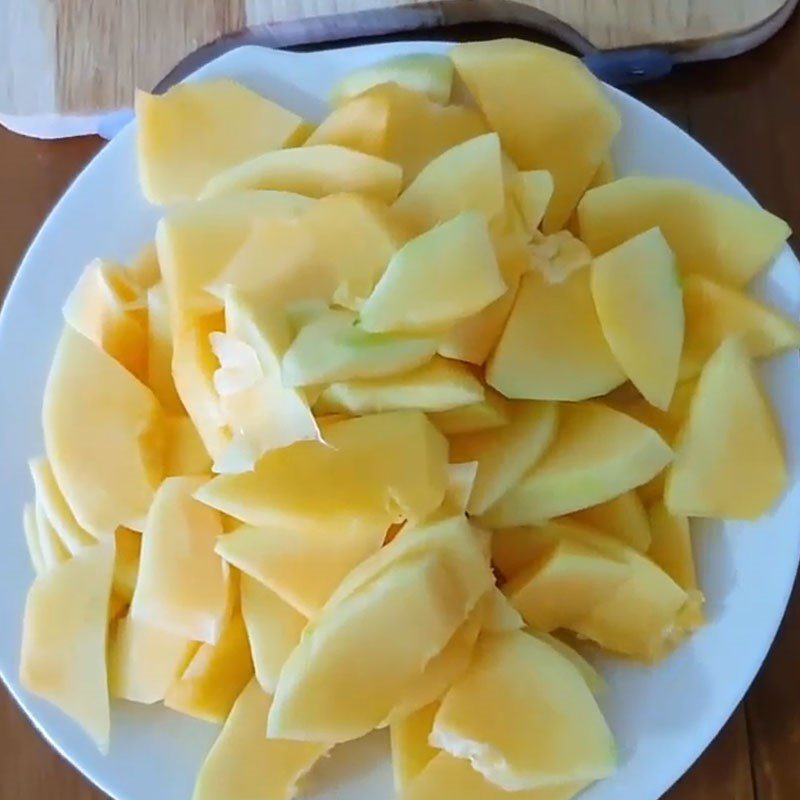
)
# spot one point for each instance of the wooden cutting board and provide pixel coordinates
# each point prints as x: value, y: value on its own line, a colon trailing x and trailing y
x: 86, y: 56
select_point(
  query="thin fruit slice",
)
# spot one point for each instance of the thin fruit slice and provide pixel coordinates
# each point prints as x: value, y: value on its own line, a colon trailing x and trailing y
x: 159, y: 350
x: 273, y: 627
x: 729, y: 459
x: 32, y: 538
x: 532, y: 191
x: 196, y: 130
x: 243, y: 764
x: 335, y: 346
x: 598, y: 454
x: 460, y: 482
x: 101, y: 430
x: 144, y: 661
x: 505, y: 454
x: 543, y: 729
x: 550, y: 111
x: 410, y: 749
x: 439, y: 385
x: 53, y: 550
x: 715, y: 312
x: 313, y: 171
x: 126, y: 563
x: 637, y: 294
x: 563, y: 585
x: 592, y: 677
x: 492, y: 412
x: 185, y: 453
x: 429, y: 74
x: 624, y: 517
x: 553, y: 346
x: 183, y: 584
x: 64, y: 638
x: 436, y: 279
x: 725, y: 239
x: 516, y: 549
x: 499, y: 616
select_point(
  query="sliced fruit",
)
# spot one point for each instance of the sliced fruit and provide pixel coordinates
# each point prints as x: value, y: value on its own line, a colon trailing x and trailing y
x: 505, y: 454
x: 126, y: 563
x: 598, y: 454
x: 244, y: 764
x: 196, y: 130
x: 102, y: 429
x: 183, y: 584
x: 216, y: 675
x: 499, y: 616
x: 144, y: 270
x: 440, y: 277
x: 729, y: 460
x: 492, y: 412
x: 55, y: 508
x: 467, y: 177
x: 185, y: 453
x: 543, y: 728
x: 32, y: 538
x: 410, y: 749
x: 313, y: 171
x: 63, y: 655
x: 159, y: 350
x: 97, y: 308
x: 624, y: 517
x: 303, y: 569
x: 639, y: 301
x: 53, y: 550
x: 723, y: 238
x: 553, y: 346
x: 273, y: 630
x: 439, y: 385
x: 532, y: 192
x: 335, y: 346
x: 563, y: 585
x: 715, y: 312
x: 550, y: 111
x: 429, y: 74
x: 460, y: 482
x: 144, y: 661
x: 515, y: 549
x: 592, y: 677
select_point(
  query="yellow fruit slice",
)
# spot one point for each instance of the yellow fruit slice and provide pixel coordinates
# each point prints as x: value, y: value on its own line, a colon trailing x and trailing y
x: 467, y: 177
x: 725, y: 239
x: 31, y: 530
x: 101, y: 429
x: 553, y: 346
x: 183, y: 584
x: 729, y: 459
x: 624, y: 517
x: 544, y: 728
x: 426, y: 73
x: 460, y: 482
x: 564, y: 585
x: 439, y: 385
x: 243, y: 764
x: 410, y: 749
x: 63, y: 655
x: 436, y: 279
x: 515, y: 549
x: 55, y: 507
x: 126, y: 563
x: 492, y: 412
x: 53, y: 550
x: 185, y: 453
x: 532, y: 191
x: 159, y: 350
x: 550, y: 111
x: 505, y: 454
x: 303, y: 569
x: 499, y: 616
x: 216, y: 675
x: 715, y: 312
x: 592, y: 677
x: 144, y: 661
x: 313, y: 171
x: 273, y: 630
x: 598, y: 454
x: 637, y: 294
x: 144, y: 271
x: 196, y: 130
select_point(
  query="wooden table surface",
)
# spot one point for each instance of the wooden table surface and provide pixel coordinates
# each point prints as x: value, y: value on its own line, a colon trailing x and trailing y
x: 746, y: 112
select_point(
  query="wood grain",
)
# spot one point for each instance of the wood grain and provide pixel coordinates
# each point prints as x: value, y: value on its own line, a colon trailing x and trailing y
x: 76, y: 56
x: 745, y: 112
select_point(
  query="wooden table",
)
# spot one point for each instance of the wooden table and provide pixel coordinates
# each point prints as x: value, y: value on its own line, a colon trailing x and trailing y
x: 746, y: 112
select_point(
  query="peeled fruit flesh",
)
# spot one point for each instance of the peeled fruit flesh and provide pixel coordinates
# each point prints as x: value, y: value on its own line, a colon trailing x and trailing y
x: 550, y: 111
x: 715, y: 312
x: 196, y: 130
x: 64, y: 638
x: 243, y: 763
x: 53, y: 551
x: 553, y: 347
x: 491, y: 412
x: 639, y: 301
x: 598, y: 454
x: 543, y: 729
x: 723, y: 238
x: 624, y: 517
x: 532, y: 192
x: 311, y: 171
x: 31, y: 530
x: 185, y: 453
x: 159, y: 350
x: 442, y: 276
x: 729, y: 460
x: 499, y: 616
x: 182, y: 586
x: 410, y: 749
x: 102, y: 429
x: 592, y: 677
x: 422, y: 72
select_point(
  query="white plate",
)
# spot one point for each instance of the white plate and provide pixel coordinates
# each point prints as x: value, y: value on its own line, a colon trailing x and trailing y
x: 663, y: 718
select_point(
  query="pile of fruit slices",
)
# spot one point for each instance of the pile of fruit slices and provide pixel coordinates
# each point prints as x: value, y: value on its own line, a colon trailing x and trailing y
x: 397, y: 410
